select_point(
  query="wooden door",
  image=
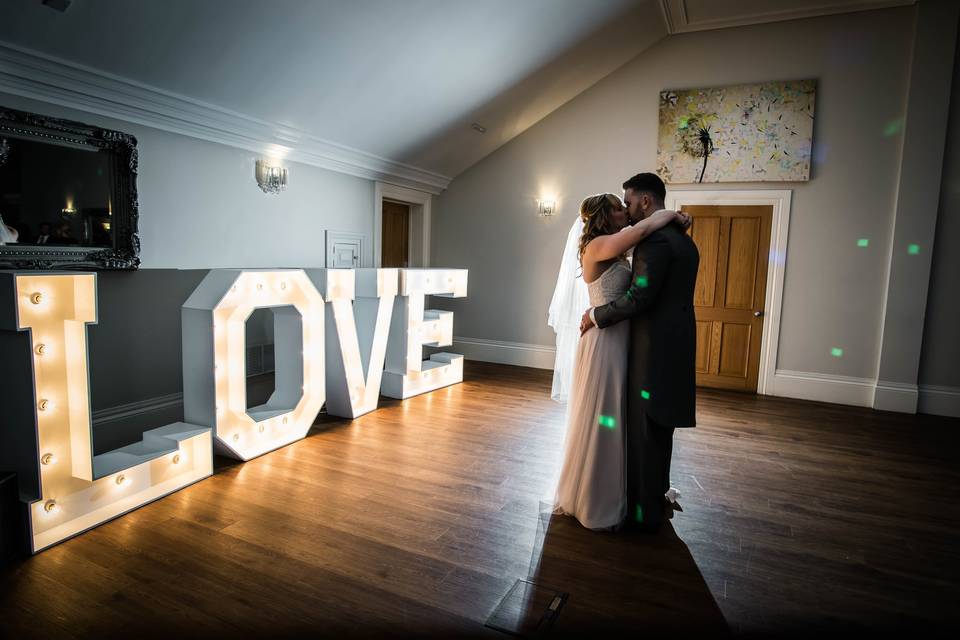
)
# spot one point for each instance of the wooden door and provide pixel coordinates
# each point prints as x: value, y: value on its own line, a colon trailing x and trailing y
x: 734, y: 245
x: 395, y: 234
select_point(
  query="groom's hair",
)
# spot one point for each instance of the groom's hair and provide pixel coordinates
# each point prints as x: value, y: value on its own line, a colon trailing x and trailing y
x: 649, y: 182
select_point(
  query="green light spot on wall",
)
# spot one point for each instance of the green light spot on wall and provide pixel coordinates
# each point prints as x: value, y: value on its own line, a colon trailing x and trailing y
x: 644, y: 394
x: 913, y: 249
x: 863, y: 242
x: 608, y: 421
x: 836, y: 352
x: 642, y: 282
x: 892, y: 128
x: 638, y: 516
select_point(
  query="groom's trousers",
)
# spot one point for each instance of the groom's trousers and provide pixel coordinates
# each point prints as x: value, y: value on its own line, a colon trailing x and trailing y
x: 649, y: 452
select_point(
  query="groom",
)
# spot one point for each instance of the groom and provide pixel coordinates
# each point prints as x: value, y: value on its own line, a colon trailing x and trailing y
x: 661, y: 381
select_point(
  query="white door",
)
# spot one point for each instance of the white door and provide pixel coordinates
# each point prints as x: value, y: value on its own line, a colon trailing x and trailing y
x: 344, y: 250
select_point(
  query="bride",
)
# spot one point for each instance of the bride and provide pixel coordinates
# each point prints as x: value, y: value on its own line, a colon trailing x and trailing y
x: 592, y: 486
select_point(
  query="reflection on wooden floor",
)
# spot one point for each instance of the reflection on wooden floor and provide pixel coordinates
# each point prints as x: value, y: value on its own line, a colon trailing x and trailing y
x: 418, y: 518
x: 625, y: 582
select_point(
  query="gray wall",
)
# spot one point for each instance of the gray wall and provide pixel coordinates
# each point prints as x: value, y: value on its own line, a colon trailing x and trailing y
x: 134, y: 348
x: 940, y: 361
x: 486, y: 221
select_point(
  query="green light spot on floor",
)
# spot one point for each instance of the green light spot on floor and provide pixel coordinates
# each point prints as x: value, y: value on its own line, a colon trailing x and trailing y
x: 607, y: 421
x: 913, y: 249
x: 644, y: 394
x: 639, y: 514
x: 836, y: 352
x: 642, y: 282
x: 892, y: 128
x: 863, y: 242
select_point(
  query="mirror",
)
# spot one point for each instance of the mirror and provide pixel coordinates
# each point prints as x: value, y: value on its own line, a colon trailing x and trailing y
x: 68, y: 195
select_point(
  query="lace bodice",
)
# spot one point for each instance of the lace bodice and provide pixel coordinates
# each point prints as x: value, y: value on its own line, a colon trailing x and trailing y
x: 612, y: 284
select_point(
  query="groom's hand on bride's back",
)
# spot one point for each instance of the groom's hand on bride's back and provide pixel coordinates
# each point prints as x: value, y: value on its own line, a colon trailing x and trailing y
x: 586, y: 323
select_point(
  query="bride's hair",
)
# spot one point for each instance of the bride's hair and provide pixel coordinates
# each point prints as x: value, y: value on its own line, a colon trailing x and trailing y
x: 595, y: 213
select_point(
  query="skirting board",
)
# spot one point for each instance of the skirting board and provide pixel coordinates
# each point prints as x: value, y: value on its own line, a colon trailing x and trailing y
x: 113, y: 414
x: 518, y: 354
x: 934, y: 400
x: 895, y: 396
x: 939, y: 401
x: 864, y: 392
x: 823, y: 387
x: 803, y: 385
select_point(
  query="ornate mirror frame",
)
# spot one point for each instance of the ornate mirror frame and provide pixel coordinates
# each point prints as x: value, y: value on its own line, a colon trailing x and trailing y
x: 122, y: 148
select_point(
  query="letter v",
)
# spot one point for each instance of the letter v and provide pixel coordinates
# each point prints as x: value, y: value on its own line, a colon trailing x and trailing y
x: 358, y: 313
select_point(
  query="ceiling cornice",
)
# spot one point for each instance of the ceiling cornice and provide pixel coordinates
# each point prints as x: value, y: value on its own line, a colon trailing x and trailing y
x: 677, y: 17
x: 30, y: 74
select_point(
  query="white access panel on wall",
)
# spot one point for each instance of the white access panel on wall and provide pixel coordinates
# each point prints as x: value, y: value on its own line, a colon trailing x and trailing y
x: 344, y: 250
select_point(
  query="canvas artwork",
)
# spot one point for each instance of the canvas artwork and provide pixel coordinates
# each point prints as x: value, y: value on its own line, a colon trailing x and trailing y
x: 745, y: 133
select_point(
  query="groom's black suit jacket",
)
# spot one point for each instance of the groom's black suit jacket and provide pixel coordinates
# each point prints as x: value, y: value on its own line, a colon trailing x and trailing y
x: 663, y: 332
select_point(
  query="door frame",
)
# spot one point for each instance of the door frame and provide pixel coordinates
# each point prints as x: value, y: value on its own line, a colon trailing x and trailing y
x: 776, y: 262
x: 420, y: 213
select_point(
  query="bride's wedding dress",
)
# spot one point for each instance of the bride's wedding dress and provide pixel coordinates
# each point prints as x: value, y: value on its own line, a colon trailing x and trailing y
x: 592, y: 486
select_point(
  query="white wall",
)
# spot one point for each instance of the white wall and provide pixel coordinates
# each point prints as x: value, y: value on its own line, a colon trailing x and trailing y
x: 200, y: 206
x: 486, y: 221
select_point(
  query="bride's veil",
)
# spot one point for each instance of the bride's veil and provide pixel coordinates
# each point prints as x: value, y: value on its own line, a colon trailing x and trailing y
x: 570, y: 300
x: 7, y: 234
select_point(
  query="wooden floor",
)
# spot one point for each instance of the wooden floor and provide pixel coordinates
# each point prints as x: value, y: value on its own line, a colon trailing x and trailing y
x: 419, y: 517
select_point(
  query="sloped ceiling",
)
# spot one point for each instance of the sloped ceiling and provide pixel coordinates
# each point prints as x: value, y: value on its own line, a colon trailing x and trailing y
x: 383, y: 89
x: 399, y: 80
x: 683, y: 16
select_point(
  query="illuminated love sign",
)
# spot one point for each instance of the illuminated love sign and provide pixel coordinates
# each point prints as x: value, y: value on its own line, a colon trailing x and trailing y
x: 407, y: 374
x: 214, y: 320
x: 46, y: 433
x: 338, y: 333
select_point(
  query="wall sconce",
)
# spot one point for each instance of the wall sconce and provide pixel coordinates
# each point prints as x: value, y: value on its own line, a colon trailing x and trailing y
x: 271, y: 178
x: 69, y: 209
x: 546, y: 207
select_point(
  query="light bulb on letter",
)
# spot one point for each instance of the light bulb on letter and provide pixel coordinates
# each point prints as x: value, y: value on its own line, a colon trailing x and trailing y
x: 36, y: 298
x: 51, y: 506
x: 48, y: 459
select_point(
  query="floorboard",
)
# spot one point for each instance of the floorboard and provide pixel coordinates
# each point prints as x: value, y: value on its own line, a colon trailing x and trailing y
x: 418, y: 518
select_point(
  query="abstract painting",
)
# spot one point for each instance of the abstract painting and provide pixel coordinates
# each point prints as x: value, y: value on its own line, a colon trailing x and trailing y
x: 744, y: 133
